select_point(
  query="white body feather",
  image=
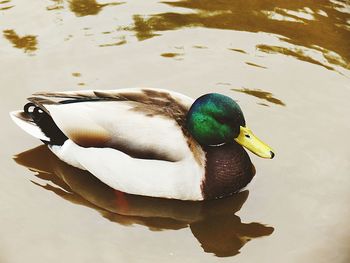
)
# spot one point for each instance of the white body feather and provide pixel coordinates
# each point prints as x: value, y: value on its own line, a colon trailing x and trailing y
x: 117, y: 123
x: 179, y: 180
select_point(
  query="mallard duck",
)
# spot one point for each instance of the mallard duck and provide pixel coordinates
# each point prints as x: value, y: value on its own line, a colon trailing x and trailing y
x: 149, y: 142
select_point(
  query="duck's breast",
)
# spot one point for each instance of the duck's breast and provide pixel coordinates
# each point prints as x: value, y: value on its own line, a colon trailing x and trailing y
x: 228, y: 169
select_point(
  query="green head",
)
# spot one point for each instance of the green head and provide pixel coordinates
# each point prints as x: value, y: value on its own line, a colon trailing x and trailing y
x: 215, y: 119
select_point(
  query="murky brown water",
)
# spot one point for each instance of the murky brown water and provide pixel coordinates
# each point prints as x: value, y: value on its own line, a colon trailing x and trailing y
x: 285, y: 62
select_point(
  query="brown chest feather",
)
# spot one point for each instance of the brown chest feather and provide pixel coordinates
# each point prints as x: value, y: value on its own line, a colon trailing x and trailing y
x: 228, y: 169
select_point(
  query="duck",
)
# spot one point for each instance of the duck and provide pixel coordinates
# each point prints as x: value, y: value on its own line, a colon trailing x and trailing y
x: 148, y: 142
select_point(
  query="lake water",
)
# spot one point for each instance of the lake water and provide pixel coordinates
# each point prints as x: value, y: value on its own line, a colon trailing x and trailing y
x: 285, y: 62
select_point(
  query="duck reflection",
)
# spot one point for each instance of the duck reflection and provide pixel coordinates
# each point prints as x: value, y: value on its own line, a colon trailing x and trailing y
x: 213, y: 223
x: 321, y: 26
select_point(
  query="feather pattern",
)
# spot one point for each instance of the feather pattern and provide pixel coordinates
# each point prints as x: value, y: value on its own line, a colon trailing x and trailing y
x: 109, y: 118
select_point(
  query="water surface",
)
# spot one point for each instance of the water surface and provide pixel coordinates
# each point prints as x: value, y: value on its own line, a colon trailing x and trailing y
x: 285, y: 62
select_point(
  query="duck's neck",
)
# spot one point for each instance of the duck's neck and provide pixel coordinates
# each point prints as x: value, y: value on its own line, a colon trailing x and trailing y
x: 228, y: 169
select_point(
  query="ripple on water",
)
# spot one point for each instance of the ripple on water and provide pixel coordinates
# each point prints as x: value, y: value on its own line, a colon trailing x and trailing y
x: 4, y: 5
x: 316, y: 25
x: 87, y: 7
x: 122, y: 41
x: 81, y: 7
x: 172, y: 55
x: 265, y: 95
x: 28, y: 43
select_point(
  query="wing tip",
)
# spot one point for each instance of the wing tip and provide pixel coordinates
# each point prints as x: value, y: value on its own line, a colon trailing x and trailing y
x: 25, y: 122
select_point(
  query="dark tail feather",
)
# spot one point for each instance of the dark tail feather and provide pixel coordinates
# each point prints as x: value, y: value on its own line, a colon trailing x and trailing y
x: 43, y: 120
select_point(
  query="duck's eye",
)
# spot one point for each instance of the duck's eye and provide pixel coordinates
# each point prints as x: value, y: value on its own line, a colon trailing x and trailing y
x: 247, y: 135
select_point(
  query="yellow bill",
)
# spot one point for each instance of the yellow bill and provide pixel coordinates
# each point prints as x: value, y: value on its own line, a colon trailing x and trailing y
x: 248, y: 140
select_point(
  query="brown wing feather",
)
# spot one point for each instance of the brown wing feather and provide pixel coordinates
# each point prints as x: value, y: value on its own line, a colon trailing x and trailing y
x: 151, y: 102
